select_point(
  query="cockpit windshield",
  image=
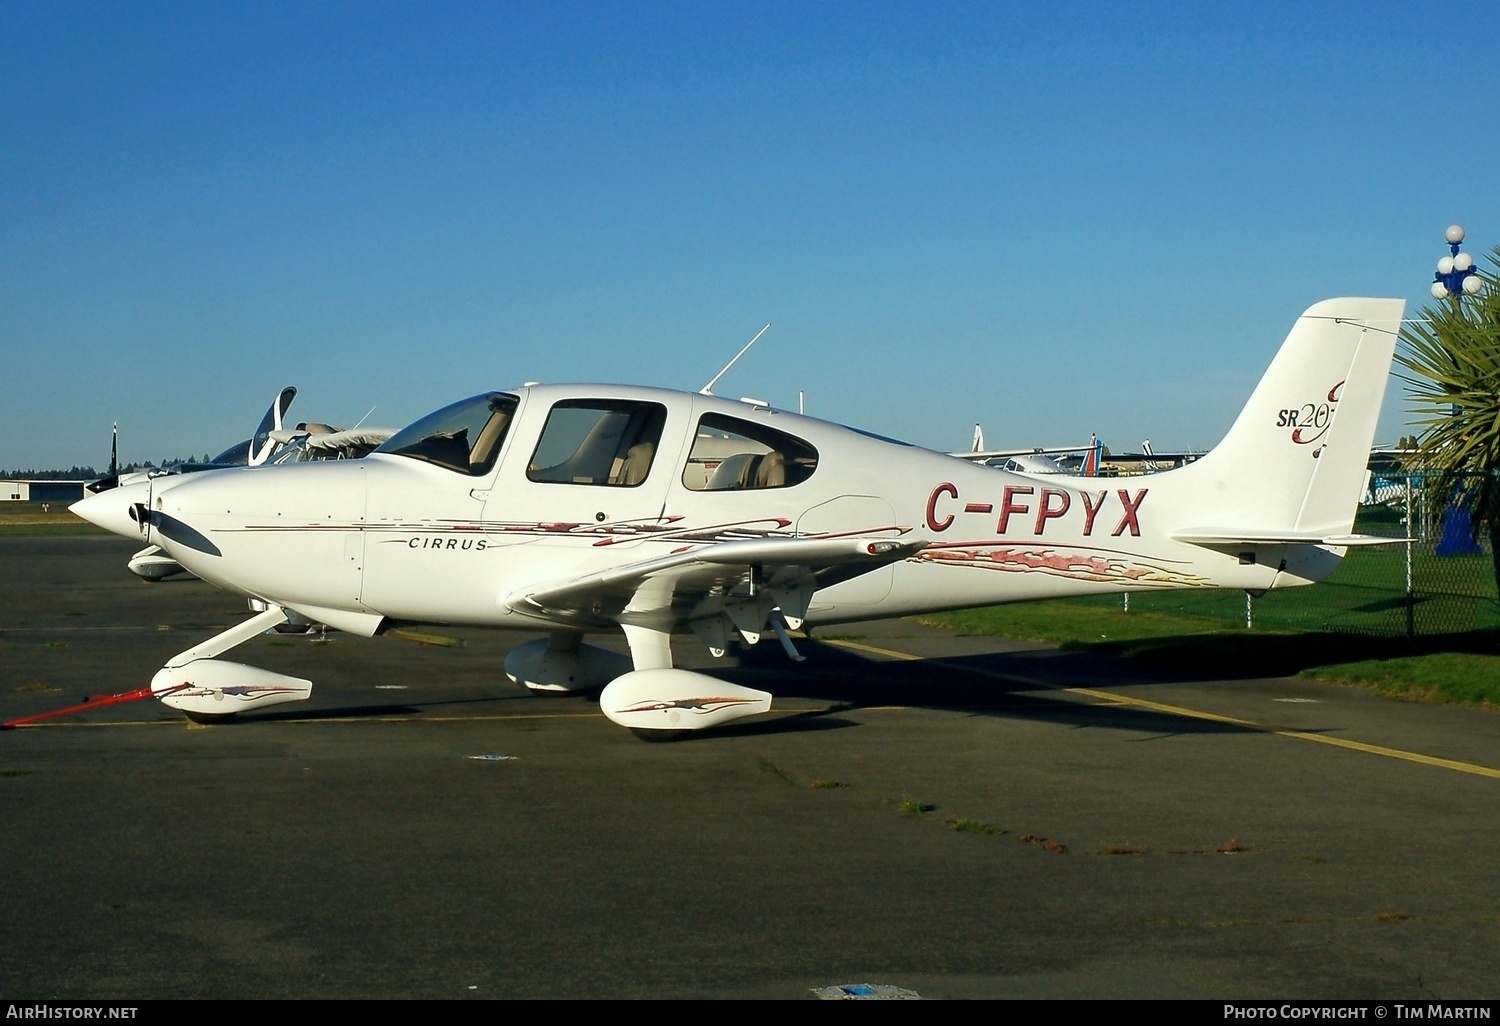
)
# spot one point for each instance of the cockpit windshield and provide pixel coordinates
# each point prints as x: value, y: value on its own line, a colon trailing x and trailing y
x: 465, y: 437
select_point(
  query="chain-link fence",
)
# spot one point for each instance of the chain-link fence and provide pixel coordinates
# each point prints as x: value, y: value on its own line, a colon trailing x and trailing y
x: 1441, y: 582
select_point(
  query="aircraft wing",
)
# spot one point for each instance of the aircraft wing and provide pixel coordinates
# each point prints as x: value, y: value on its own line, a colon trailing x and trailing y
x: 743, y: 580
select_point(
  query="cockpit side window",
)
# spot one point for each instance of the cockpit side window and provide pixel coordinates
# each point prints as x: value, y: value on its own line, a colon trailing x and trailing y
x: 730, y: 454
x: 465, y: 437
x: 608, y: 442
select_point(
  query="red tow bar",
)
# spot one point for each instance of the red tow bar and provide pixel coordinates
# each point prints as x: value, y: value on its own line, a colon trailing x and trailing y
x: 92, y: 702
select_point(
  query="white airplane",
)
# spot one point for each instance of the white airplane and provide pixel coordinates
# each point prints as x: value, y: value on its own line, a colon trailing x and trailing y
x: 1038, y: 460
x: 589, y: 508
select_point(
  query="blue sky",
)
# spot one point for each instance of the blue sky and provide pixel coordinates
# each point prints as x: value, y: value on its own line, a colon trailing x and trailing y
x: 1054, y: 219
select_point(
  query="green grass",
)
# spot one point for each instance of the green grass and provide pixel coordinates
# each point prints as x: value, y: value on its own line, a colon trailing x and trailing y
x: 21, y: 519
x: 972, y: 826
x: 1464, y: 678
x: 1366, y: 594
x: 1072, y: 621
x: 8, y: 530
x: 1461, y: 668
x: 1350, y: 628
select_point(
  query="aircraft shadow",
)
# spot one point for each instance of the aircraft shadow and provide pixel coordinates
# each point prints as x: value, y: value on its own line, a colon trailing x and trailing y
x: 372, y: 712
x: 1027, y: 684
x: 852, y: 681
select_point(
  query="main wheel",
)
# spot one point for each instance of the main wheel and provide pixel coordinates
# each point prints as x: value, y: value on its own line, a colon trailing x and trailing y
x: 659, y: 736
x: 209, y: 718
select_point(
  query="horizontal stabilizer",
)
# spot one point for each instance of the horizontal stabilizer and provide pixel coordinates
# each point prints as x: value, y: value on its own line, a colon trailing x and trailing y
x: 1221, y: 539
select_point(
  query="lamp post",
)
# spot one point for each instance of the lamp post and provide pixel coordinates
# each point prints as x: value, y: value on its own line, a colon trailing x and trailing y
x: 1455, y: 275
x: 1455, y: 278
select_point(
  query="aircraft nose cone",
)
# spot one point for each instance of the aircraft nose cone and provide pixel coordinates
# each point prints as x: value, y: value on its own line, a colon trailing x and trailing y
x: 111, y: 510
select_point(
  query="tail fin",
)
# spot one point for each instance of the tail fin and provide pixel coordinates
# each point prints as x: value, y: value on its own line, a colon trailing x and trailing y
x: 1092, y: 457
x: 262, y: 445
x: 1292, y: 467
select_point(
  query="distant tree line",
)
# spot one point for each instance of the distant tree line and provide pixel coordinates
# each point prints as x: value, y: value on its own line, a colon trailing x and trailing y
x: 90, y: 474
x: 71, y: 474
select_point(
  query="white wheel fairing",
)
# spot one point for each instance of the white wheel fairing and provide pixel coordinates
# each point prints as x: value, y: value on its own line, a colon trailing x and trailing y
x: 664, y: 699
x: 216, y: 687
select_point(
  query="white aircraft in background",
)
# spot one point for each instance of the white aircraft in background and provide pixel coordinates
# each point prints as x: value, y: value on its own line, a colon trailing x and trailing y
x: 588, y: 508
x: 1022, y: 461
x: 1035, y: 461
x: 119, y: 494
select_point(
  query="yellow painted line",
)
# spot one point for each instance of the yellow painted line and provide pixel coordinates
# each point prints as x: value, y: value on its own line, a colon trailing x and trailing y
x: 498, y: 717
x: 117, y: 723
x: 1112, y: 698
x: 315, y: 720
x: 80, y: 629
x: 872, y: 649
x: 422, y: 638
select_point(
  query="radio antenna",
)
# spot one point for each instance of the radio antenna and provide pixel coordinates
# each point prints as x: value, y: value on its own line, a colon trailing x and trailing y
x: 708, y: 389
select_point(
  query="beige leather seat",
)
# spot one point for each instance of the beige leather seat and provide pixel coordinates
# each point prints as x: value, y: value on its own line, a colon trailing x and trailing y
x: 637, y: 464
x: 732, y: 473
x: 489, y: 437
x: 771, y: 472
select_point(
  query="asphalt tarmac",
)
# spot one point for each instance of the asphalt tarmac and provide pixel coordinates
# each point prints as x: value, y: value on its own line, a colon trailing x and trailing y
x: 956, y: 817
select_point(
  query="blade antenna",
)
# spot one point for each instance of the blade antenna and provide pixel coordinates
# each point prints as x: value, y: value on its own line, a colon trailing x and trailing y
x: 708, y: 389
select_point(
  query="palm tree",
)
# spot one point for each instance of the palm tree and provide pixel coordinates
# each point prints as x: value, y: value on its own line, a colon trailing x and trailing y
x: 1452, y: 363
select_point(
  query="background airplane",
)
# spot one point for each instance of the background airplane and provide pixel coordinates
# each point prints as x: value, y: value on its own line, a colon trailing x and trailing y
x: 271, y: 443
x: 1037, y: 460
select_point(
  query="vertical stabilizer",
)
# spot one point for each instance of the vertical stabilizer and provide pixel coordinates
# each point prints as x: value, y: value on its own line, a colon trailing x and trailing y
x: 1294, y: 461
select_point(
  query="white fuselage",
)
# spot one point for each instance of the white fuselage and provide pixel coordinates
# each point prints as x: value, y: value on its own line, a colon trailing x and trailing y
x: 394, y: 537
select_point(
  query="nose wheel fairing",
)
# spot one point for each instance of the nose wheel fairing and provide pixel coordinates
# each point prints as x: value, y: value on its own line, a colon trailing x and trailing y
x: 216, y: 687
x: 203, y: 686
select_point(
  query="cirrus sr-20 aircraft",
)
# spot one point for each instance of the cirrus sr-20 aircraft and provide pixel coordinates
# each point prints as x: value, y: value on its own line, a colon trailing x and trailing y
x: 597, y: 508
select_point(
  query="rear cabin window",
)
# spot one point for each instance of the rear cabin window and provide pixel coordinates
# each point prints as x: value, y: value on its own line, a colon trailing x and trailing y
x: 598, y: 442
x: 730, y: 454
